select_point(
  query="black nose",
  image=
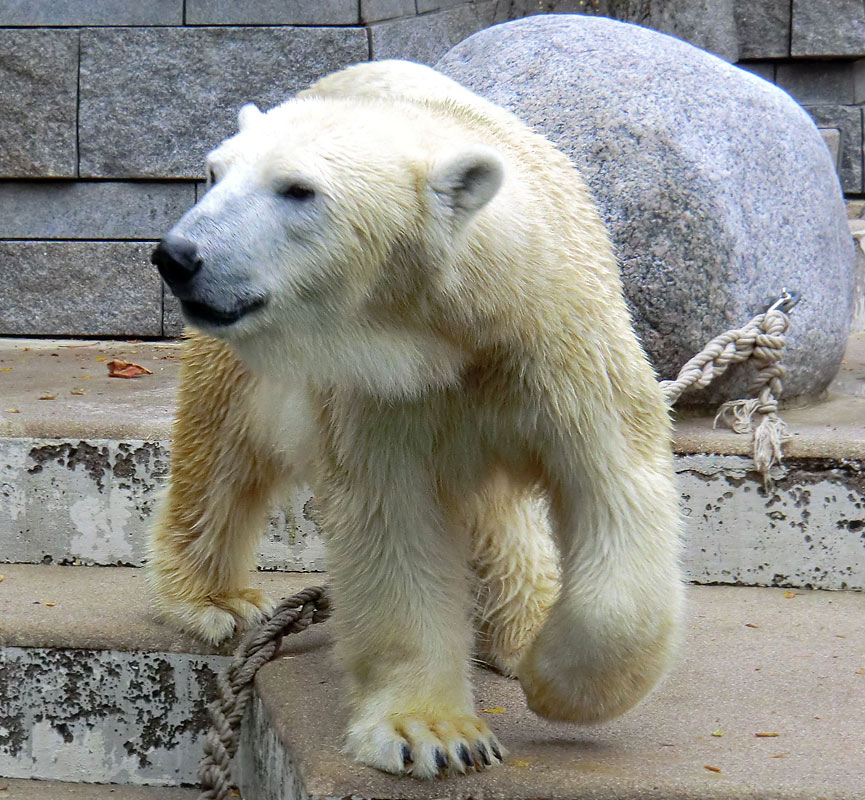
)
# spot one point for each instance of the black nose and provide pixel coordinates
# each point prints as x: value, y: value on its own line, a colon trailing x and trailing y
x: 176, y: 259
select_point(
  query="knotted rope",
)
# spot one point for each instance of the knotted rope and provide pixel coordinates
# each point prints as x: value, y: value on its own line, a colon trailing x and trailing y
x: 762, y: 340
x: 234, y: 685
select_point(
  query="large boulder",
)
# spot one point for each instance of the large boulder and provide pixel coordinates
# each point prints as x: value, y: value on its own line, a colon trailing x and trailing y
x: 717, y: 187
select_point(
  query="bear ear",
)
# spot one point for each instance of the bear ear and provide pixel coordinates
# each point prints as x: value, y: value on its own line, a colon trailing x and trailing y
x: 247, y: 115
x: 465, y: 181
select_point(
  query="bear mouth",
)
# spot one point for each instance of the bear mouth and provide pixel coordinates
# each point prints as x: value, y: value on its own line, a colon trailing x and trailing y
x: 219, y: 317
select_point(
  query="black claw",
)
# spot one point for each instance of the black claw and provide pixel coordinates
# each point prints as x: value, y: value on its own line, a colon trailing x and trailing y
x: 441, y: 760
x: 496, y: 752
x: 406, y: 755
x: 466, y: 756
x: 485, y: 756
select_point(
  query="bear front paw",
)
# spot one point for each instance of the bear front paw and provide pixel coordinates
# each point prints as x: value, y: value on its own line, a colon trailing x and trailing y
x: 425, y: 745
x: 594, y: 686
x: 215, y: 618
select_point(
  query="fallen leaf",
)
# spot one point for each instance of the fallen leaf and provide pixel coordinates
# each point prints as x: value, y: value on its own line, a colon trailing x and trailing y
x: 47, y: 396
x: 496, y: 710
x: 50, y: 605
x: 86, y: 377
x: 5, y: 369
x: 788, y: 595
x: 712, y: 769
x: 766, y: 735
x: 12, y: 410
x: 101, y: 358
x: 1, y: 577
x: 778, y: 755
x: 860, y: 671
x: 76, y: 391
x: 751, y: 625
x: 126, y: 369
x: 518, y: 762
x: 717, y: 733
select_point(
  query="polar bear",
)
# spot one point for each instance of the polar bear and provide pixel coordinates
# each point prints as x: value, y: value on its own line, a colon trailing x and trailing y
x: 405, y: 297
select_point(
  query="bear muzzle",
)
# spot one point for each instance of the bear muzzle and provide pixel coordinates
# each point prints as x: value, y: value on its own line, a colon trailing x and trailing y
x: 178, y: 261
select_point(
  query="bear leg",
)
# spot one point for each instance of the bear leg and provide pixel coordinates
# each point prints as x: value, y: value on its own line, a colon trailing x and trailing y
x: 202, y: 544
x: 400, y: 587
x: 613, y: 631
x: 515, y: 568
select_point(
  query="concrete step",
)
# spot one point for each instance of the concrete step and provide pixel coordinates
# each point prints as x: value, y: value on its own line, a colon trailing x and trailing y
x: 57, y: 790
x: 766, y: 702
x: 79, y: 474
x: 92, y: 688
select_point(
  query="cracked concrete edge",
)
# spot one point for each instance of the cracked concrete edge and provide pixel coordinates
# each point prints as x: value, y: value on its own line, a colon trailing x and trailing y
x: 104, y: 716
x: 809, y: 531
x: 23, y: 789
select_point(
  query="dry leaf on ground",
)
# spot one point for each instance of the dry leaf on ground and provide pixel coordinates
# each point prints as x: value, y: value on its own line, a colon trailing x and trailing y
x: 496, y: 710
x: 766, y: 735
x: 711, y: 769
x: 126, y: 369
x: 47, y: 396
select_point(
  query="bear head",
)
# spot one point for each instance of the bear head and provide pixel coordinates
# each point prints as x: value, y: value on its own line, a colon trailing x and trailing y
x: 329, y: 228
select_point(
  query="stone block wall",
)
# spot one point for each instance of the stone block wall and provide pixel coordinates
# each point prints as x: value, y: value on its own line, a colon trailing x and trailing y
x: 110, y: 106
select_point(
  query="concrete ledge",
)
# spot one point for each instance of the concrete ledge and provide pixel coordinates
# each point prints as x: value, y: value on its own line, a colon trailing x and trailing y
x: 69, y: 495
x: 753, y: 661
x: 55, y: 790
x: 103, y: 608
x: 92, y: 688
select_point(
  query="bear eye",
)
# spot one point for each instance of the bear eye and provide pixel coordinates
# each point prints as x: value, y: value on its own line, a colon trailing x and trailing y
x: 297, y: 191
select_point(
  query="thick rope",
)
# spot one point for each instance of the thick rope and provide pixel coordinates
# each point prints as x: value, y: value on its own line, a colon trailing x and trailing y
x: 762, y: 339
x: 234, y: 685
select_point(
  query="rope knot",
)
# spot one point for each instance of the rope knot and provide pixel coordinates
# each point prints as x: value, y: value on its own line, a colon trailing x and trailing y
x: 763, y: 339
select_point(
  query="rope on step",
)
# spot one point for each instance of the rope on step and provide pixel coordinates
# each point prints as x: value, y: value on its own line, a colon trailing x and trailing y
x: 234, y: 685
x: 762, y: 340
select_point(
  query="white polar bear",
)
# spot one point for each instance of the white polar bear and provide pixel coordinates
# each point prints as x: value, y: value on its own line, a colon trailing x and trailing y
x: 408, y: 299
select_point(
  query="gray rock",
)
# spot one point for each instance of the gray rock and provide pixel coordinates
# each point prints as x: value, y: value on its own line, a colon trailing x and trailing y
x: 38, y: 95
x: 378, y: 10
x: 86, y: 12
x: 763, y: 27
x: 79, y: 289
x: 91, y: 210
x: 426, y: 38
x: 155, y: 100
x: 848, y: 121
x: 272, y: 12
x: 710, y: 24
x: 717, y: 188
x: 828, y: 28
